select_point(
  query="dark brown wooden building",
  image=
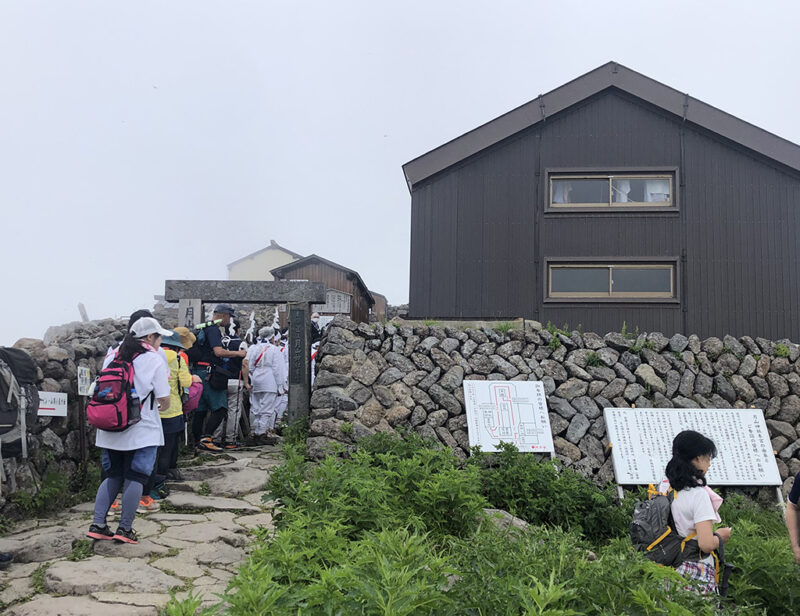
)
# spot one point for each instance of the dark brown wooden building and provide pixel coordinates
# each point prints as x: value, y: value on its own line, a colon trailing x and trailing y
x: 347, y: 293
x: 611, y: 199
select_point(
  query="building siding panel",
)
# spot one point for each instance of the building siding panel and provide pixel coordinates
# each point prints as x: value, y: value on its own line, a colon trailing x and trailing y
x: 737, y: 223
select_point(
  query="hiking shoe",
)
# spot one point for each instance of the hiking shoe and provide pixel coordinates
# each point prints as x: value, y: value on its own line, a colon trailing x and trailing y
x: 206, y: 444
x: 116, y: 508
x: 100, y: 532
x: 236, y: 445
x: 147, y: 505
x: 125, y: 536
x: 174, y: 474
x: 159, y: 492
x: 6, y: 558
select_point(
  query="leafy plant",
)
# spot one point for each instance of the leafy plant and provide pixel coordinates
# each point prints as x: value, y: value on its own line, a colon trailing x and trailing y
x: 203, y: 489
x: 81, y: 548
x: 190, y: 606
x: 346, y: 428
x: 593, y: 359
x: 542, y: 492
x: 504, y: 327
x: 429, y: 322
x: 781, y: 350
x: 555, y: 343
x: 37, y: 578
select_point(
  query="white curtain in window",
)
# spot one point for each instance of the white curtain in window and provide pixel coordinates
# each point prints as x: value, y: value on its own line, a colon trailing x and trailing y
x: 561, y: 192
x: 656, y: 190
x: 620, y: 190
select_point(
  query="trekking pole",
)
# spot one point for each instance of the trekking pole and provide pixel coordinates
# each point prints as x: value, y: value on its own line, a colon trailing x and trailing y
x: 727, y: 568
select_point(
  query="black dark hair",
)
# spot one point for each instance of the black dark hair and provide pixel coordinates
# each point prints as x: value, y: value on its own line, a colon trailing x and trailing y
x: 138, y: 315
x: 130, y: 346
x: 686, y: 447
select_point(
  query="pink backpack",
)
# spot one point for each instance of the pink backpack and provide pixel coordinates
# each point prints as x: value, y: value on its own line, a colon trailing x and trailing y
x: 113, y: 406
x: 192, y: 398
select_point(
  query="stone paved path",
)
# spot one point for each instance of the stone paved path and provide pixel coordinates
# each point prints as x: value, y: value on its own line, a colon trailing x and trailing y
x: 196, y: 542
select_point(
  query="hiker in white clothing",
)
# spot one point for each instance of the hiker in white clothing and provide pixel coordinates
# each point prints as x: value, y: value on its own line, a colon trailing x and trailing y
x: 262, y: 372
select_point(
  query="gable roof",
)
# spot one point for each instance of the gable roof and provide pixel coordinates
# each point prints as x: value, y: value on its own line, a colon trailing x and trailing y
x: 609, y: 75
x: 280, y: 272
x: 273, y: 245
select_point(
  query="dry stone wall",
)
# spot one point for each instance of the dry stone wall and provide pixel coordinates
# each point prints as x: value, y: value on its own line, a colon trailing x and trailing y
x: 381, y: 377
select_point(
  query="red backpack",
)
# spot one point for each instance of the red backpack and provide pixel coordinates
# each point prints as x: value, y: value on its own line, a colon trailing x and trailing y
x: 114, y: 405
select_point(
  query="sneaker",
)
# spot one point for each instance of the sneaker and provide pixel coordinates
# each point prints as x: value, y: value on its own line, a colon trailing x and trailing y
x: 236, y: 445
x: 206, y: 444
x: 100, y: 532
x: 159, y: 492
x: 125, y: 536
x: 116, y: 508
x: 147, y: 505
x: 6, y: 558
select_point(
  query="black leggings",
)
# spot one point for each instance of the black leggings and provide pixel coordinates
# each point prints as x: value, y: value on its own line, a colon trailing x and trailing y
x: 211, y: 419
x: 167, y: 455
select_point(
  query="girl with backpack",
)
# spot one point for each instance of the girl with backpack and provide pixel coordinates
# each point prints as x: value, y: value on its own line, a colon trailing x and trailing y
x: 129, y: 454
x: 694, y: 506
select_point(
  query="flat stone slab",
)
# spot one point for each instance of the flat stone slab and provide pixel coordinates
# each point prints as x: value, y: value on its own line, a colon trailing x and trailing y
x: 195, y: 501
x: 238, y: 482
x: 220, y: 554
x: 83, y: 508
x: 181, y: 565
x: 98, y: 574
x: 157, y: 600
x: 17, y: 589
x: 205, y: 532
x: 255, y: 520
x: 40, y: 544
x: 255, y: 499
x: 144, y: 549
x: 18, y: 570
x: 76, y: 606
x: 177, y: 517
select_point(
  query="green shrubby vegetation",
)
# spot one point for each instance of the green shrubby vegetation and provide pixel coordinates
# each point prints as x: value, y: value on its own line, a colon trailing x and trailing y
x: 396, y: 528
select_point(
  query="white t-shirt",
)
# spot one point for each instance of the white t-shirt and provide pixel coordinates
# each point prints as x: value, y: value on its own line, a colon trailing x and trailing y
x: 267, y: 374
x: 150, y: 373
x: 690, y: 506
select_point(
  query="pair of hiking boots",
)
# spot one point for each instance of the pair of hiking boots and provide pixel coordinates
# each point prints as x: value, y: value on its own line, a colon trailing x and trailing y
x: 206, y: 444
x: 104, y: 533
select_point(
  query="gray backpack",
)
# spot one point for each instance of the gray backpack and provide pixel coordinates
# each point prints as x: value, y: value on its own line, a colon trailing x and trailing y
x: 653, y: 532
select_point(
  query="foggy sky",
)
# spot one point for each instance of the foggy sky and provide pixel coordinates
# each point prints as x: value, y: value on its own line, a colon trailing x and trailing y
x: 142, y: 141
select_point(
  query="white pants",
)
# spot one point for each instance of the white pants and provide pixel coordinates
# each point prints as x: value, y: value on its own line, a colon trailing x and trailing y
x: 280, y: 407
x: 263, y: 411
x: 231, y: 423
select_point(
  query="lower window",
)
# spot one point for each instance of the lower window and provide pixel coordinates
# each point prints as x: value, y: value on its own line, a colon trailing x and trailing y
x: 604, y: 280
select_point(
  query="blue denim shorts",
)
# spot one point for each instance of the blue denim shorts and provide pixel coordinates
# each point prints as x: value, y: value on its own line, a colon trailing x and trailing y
x: 136, y: 465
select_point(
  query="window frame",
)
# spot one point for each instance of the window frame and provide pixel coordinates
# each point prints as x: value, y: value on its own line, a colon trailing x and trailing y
x: 671, y: 262
x: 670, y: 173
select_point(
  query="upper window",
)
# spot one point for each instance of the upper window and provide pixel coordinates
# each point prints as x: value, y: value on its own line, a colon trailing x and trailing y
x: 604, y: 190
x: 612, y: 281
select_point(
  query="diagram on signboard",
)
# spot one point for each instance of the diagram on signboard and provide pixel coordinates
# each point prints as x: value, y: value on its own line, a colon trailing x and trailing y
x: 507, y: 411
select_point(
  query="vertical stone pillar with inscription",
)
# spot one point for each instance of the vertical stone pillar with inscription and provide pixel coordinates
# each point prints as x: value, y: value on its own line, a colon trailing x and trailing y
x: 190, y: 313
x: 299, y: 362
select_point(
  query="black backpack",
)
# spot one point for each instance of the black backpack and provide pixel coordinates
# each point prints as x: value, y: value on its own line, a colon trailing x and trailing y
x: 19, y: 401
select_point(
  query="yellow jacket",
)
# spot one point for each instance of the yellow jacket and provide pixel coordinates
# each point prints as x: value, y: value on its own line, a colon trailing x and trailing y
x: 179, y: 377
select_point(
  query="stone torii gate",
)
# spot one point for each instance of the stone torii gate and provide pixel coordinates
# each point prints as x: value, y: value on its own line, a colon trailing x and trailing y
x: 298, y: 295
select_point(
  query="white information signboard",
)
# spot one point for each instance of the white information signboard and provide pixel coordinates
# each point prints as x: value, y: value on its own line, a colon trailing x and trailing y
x: 84, y: 380
x: 335, y: 301
x: 508, y: 411
x: 52, y: 404
x: 641, y: 442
